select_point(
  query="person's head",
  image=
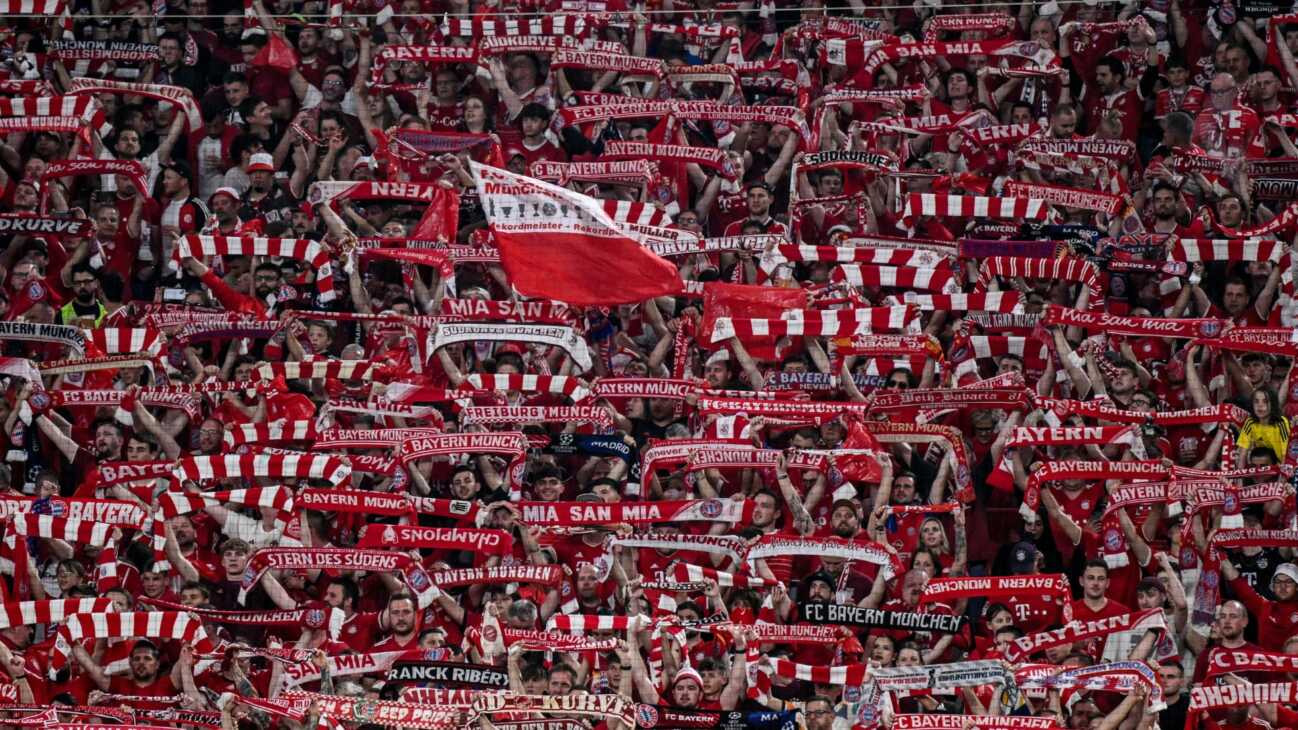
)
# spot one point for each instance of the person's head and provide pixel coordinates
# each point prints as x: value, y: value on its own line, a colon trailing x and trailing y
x: 960, y: 84
x: 108, y: 439
x: 547, y: 483
x: 1095, y: 579
x: 210, y: 435
x: 402, y: 614
x: 903, y: 488
x: 884, y: 650
x: 194, y: 594
x: 912, y: 586
x: 308, y: 41
x: 342, y: 593
x: 1109, y: 74
x: 141, y: 447
x: 69, y: 574
x: 154, y: 583
x: 1266, y: 85
x: 829, y: 182
x: 1235, y: 296
x: 1238, y: 62
x: 236, y: 88
x: 464, y: 482
x: 562, y: 680
x: 1222, y: 92
x: 1171, y: 675
x: 766, y: 508
x: 1284, y: 583
x: 175, y: 180
x: 687, y: 688
x: 234, y: 556
x: 144, y: 661
x: 932, y: 534
x: 1125, y: 378
x: 819, y: 712
x: 1266, y: 405
x: 760, y: 196
x: 1166, y: 202
x: 1150, y: 593
x: 534, y: 118
x: 844, y: 519
x: 1178, y: 129
x: 717, y: 370
x: 85, y: 283
x: 169, y: 49
x: 1063, y: 121
x: 1232, y: 619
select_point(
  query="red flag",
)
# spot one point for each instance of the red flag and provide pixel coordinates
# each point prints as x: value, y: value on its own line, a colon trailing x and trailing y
x: 558, y: 244
x: 441, y: 220
x: 858, y: 467
x: 276, y: 54
x: 743, y: 300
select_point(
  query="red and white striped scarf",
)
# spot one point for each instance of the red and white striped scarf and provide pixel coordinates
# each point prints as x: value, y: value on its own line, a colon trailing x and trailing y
x: 1193, y: 250
x: 179, y: 503
x: 687, y: 573
x: 299, y: 249
x: 34, y: 613
x: 987, y: 301
x: 176, y: 625
x: 1021, y: 648
x: 604, y: 172
x: 377, y: 438
x: 119, y: 340
x: 969, y: 206
x: 86, y: 108
x: 181, y: 97
x: 265, y: 433
x: 857, y: 550
x: 818, y: 323
x: 322, y: 369
x: 239, y: 466
x: 549, y: 25
x: 939, y: 278
x: 340, y: 559
x: 565, y: 385
x: 1068, y: 268
x: 710, y: 158
x: 668, y: 388
x: 994, y: 23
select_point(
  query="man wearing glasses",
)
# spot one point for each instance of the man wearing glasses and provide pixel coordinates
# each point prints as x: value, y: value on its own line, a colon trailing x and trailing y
x: 1226, y: 128
x: 85, y: 309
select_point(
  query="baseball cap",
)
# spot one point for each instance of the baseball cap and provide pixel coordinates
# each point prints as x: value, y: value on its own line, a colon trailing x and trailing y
x: 1023, y: 558
x: 231, y: 192
x: 722, y: 355
x: 261, y: 161
x: 366, y: 162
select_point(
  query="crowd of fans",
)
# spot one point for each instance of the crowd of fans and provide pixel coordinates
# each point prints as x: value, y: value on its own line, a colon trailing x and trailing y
x: 985, y: 310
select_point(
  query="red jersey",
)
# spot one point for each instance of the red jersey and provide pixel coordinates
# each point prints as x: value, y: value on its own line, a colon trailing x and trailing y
x: 360, y: 630
x: 1126, y: 102
x: 1232, y: 133
x: 1189, y: 100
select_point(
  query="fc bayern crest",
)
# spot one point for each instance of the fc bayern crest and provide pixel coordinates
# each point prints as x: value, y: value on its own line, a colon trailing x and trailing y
x: 711, y: 508
x: 646, y: 715
x: 1209, y: 328
x: 314, y: 618
x: 35, y: 291
x: 1112, y: 540
x: 40, y: 400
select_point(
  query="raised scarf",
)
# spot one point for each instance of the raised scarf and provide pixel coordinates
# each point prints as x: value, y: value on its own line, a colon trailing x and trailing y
x: 268, y: 433
x: 857, y: 550
x: 848, y: 615
x: 1068, y: 268
x: 1065, y: 196
x: 1021, y: 648
x: 58, y: 334
x: 175, y: 625
x: 181, y: 97
x: 687, y: 573
x: 45, y: 225
x: 547, y: 575
x: 298, y: 249
x: 85, y: 108
x: 504, y: 415
x: 667, y: 388
x: 987, y: 301
x: 816, y: 322
x: 387, y: 537
x: 1099, y: 321
x: 950, y: 590
x: 958, y: 398
x: 240, y: 466
x: 993, y: 23
x: 710, y: 158
x: 103, y: 51
x: 939, y: 278
x: 1243, y: 661
x: 729, y: 545
x: 394, y: 714
x: 1207, y: 696
x: 327, y: 618
x: 339, y: 559
x: 565, y: 338
x: 670, y: 511
x: 54, y: 611
x: 969, y: 206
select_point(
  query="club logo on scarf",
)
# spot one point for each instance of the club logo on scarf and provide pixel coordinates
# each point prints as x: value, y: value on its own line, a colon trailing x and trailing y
x: 389, y: 535
x: 418, y: 580
x: 35, y: 291
x: 39, y: 400
x: 364, y: 710
x: 1112, y: 540
x: 1209, y: 328
x: 489, y: 633
x: 646, y: 715
x: 1230, y: 505
x: 314, y: 618
x: 711, y: 508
